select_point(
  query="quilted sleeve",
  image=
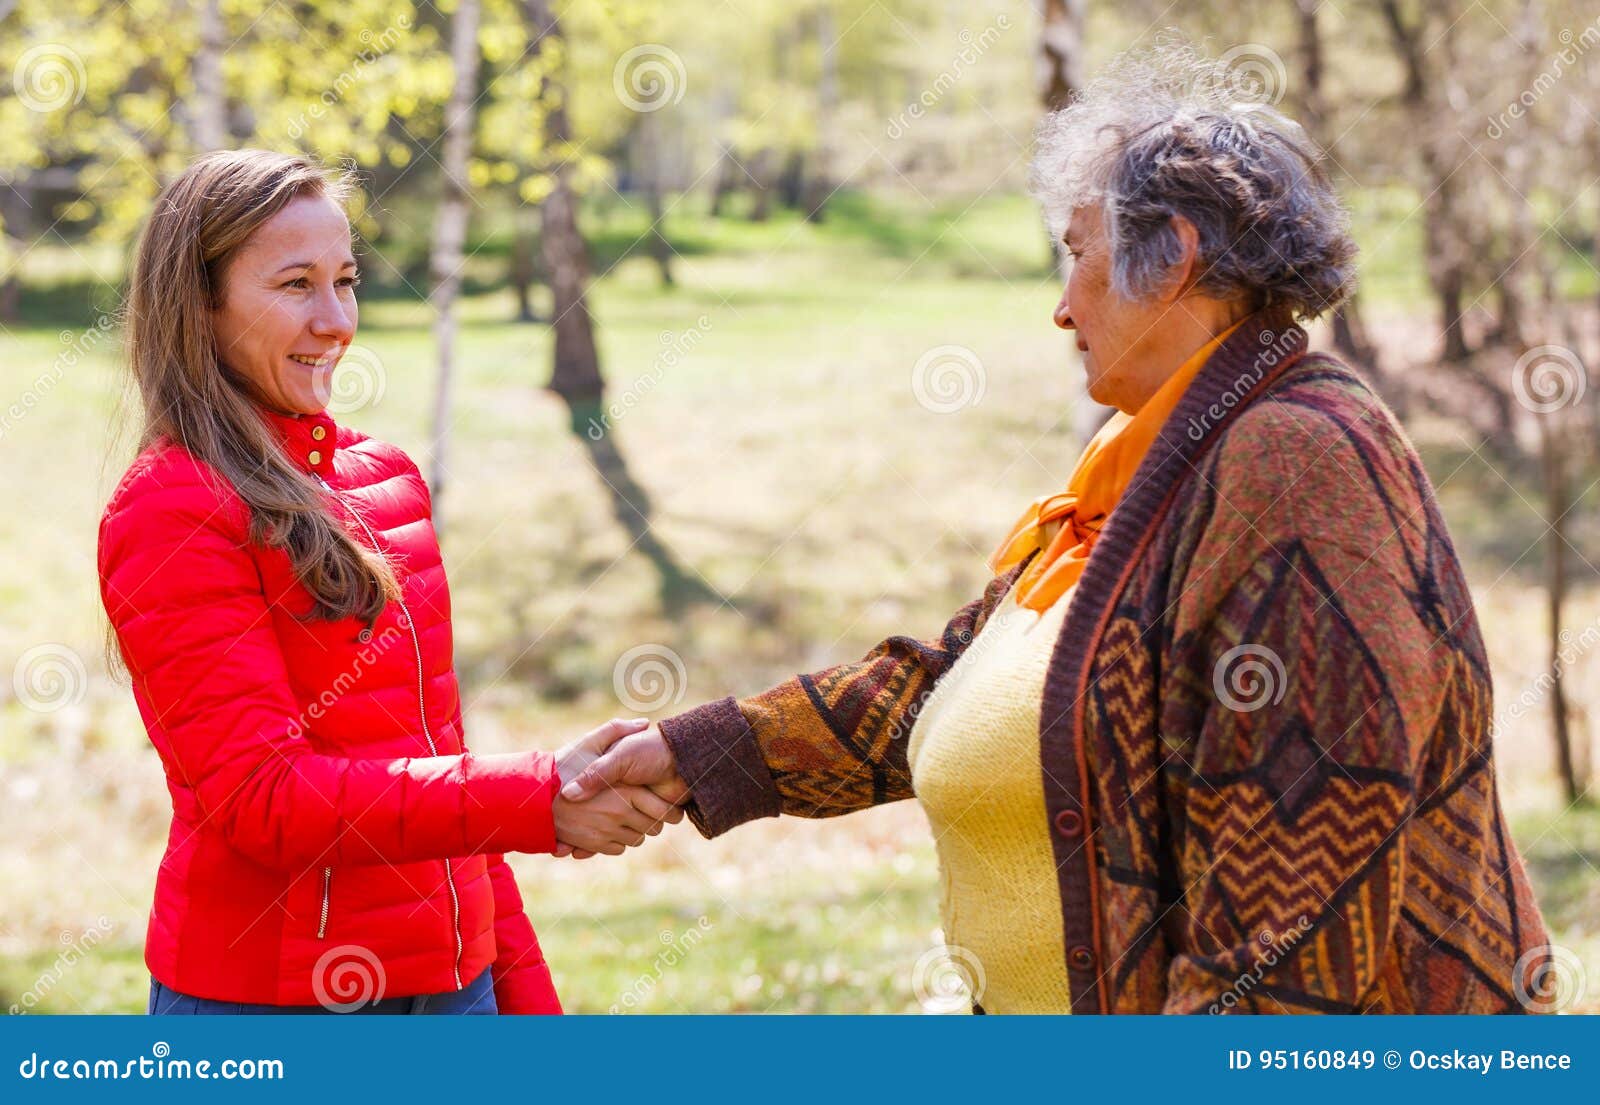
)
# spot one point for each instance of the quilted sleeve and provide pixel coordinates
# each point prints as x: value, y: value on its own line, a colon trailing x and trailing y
x: 191, y: 621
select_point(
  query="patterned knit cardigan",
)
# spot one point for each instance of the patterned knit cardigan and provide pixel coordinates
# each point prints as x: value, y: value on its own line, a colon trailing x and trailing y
x: 1265, y: 729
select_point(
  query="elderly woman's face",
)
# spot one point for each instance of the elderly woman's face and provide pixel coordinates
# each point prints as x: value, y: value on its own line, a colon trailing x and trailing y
x: 1113, y: 333
x: 289, y: 306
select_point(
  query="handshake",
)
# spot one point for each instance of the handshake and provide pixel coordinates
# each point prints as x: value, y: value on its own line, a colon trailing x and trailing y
x: 619, y: 784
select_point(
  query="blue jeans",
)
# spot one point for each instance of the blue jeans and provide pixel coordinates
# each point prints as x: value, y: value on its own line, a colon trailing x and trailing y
x: 478, y: 997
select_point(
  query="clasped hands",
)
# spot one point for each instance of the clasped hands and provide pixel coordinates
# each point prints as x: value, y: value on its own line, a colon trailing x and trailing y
x: 619, y: 784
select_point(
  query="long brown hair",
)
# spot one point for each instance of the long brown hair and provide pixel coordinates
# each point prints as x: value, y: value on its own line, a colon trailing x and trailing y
x: 200, y: 222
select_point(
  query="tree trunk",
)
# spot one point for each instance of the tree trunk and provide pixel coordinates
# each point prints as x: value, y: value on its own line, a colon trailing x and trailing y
x: 1441, y: 224
x: 761, y: 185
x: 209, y: 109
x: 523, y: 271
x: 647, y: 148
x: 1553, y: 465
x: 724, y: 179
x: 819, y: 185
x: 1451, y: 286
x: 791, y: 181
x: 450, y: 226
x: 576, y: 374
x: 16, y: 226
x: 1061, y: 51
x: 1349, y: 330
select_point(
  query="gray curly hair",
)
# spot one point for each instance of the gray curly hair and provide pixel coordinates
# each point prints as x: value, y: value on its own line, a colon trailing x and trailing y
x: 1169, y: 132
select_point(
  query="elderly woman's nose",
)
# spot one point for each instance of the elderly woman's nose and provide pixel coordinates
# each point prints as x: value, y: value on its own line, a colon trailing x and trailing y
x: 1063, y: 314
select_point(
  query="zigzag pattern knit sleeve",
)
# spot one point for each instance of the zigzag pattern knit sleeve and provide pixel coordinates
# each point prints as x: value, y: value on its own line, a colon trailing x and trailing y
x: 823, y: 744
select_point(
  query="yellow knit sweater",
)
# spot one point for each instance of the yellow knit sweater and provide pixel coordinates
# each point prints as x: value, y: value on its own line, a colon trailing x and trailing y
x: 974, y: 756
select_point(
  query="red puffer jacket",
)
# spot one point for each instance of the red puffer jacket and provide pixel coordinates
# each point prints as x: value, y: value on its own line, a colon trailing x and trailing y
x: 330, y: 832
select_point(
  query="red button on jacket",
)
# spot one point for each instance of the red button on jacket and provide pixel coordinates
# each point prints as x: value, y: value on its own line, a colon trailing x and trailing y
x: 331, y: 835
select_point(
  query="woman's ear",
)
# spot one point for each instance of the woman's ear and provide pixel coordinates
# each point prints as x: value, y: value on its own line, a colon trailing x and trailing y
x: 1181, y: 275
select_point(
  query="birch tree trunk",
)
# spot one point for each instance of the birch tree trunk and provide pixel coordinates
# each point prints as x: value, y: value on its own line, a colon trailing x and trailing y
x: 208, y: 114
x: 450, y: 227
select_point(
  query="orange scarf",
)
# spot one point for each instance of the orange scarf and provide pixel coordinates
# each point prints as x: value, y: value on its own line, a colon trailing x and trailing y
x: 1063, y: 527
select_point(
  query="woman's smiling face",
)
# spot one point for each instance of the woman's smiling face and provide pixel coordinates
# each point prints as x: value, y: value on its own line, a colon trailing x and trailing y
x: 288, y: 308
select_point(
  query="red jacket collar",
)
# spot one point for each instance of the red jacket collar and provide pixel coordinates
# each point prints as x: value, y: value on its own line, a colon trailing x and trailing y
x: 308, y: 439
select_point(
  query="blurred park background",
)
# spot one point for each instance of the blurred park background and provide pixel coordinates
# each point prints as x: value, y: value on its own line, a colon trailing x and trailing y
x: 723, y: 332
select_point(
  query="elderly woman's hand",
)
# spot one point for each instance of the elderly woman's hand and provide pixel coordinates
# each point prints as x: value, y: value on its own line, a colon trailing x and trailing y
x: 594, y: 816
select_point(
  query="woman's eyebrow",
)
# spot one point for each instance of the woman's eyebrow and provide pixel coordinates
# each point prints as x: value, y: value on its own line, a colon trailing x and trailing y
x: 349, y: 264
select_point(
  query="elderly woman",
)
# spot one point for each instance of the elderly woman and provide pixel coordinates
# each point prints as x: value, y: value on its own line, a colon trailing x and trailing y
x: 1216, y: 736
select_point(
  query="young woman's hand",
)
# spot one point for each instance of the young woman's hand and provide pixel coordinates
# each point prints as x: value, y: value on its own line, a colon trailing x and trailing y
x: 612, y: 821
x: 612, y: 818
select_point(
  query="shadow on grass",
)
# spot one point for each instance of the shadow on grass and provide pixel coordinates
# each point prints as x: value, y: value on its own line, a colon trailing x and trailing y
x: 1563, y: 858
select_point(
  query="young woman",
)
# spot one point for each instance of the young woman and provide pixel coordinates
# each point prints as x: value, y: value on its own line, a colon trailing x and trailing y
x: 275, y: 589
